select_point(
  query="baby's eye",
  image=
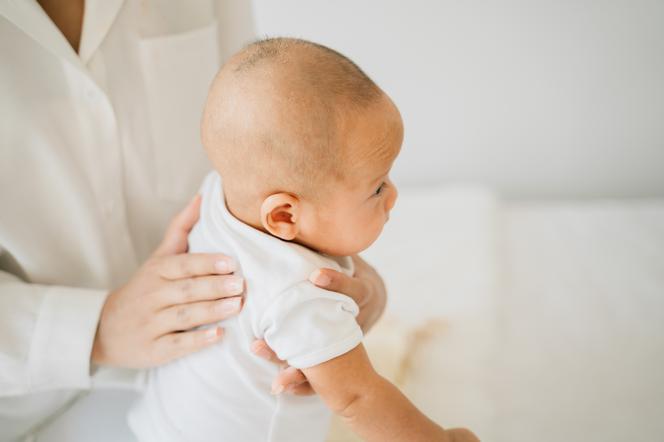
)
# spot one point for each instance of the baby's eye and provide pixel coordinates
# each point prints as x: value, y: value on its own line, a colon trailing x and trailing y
x: 380, y: 189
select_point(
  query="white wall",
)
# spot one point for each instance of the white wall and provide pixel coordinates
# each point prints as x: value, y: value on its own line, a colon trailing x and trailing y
x: 535, y: 98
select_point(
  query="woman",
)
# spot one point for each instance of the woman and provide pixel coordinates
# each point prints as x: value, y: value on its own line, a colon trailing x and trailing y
x: 100, y: 148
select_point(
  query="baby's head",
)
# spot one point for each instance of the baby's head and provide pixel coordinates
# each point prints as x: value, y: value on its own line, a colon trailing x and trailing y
x: 304, y: 142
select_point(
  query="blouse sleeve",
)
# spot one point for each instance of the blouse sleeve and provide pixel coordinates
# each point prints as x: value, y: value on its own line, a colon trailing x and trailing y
x: 46, y: 335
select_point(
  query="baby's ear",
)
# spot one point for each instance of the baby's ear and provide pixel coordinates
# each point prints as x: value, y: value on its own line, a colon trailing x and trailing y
x: 279, y: 215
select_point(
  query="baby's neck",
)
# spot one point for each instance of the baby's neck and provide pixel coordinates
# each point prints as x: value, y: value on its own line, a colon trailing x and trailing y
x: 246, y: 213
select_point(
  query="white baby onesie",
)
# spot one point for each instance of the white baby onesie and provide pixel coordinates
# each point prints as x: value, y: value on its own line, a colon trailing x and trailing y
x: 223, y: 392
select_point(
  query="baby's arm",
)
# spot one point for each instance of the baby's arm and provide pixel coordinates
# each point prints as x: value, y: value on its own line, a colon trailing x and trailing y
x: 373, y: 407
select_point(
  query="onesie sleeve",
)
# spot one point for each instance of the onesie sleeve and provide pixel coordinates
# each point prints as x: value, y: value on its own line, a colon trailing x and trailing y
x: 306, y: 325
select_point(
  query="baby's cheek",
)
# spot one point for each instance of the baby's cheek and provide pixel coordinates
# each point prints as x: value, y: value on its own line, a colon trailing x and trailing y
x: 375, y: 227
x: 391, y: 199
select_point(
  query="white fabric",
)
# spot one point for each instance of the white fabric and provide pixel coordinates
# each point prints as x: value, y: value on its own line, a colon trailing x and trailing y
x: 552, y: 314
x: 223, y: 393
x: 92, y: 148
x: 581, y: 323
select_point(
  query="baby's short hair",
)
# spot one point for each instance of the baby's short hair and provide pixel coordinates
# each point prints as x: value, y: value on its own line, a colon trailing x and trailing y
x: 336, y: 75
x: 271, y: 119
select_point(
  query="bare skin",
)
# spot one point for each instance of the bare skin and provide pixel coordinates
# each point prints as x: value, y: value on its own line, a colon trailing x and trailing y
x: 67, y: 16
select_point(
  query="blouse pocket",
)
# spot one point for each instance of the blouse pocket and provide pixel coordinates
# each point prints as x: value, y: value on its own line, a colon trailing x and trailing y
x: 177, y: 72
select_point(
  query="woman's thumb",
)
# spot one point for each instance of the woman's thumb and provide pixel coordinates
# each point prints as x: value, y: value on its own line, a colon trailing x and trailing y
x: 175, y: 238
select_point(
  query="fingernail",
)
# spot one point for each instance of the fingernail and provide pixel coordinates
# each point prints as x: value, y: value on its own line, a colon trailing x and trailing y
x: 319, y: 278
x: 228, y: 306
x: 225, y: 266
x: 234, y: 285
x: 277, y: 389
x: 212, y: 334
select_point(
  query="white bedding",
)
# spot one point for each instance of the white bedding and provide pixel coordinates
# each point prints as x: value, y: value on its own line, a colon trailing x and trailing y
x: 580, y: 350
x: 552, y: 318
x: 570, y: 343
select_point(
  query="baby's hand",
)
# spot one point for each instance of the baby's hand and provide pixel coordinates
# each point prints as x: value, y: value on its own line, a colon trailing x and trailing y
x: 289, y: 379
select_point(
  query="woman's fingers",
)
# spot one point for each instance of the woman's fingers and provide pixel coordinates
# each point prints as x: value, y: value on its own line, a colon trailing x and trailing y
x: 188, y: 316
x: 332, y: 280
x: 303, y: 389
x: 260, y: 348
x: 176, y: 345
x: 366, y: 288
x: 175, y: 239
x: 193, y: 264
x: 171, y: 291
x: 291, y: 380
x: 203, y: 288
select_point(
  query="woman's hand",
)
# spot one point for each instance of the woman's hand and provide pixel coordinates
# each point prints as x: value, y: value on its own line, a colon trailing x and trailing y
x: 365, y: 287
x: 143, y: 324
x: 289, y: 379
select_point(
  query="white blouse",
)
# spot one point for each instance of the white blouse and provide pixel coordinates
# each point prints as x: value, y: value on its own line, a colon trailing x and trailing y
x: 97, y: 151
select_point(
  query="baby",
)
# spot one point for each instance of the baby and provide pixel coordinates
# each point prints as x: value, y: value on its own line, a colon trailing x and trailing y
x: 304, y: 142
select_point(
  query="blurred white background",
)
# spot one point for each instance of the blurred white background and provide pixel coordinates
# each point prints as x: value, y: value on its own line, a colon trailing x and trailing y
x: 533, y: 98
